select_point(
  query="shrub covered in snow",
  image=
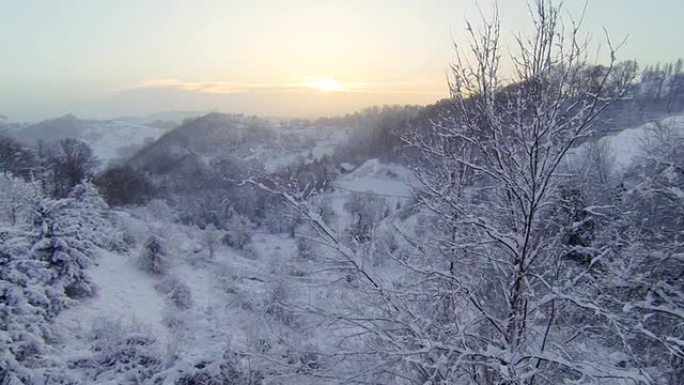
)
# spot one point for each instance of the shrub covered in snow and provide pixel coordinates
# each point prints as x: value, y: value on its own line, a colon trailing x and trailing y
x: 153, y: 257
x: 367, y: 210
x: 228, y: 370
x: 210, y: 240
x: 274, y: 304
x: 120, y: 353
x: 238, y: 231
x: 178, y: 293
x: 15, y: 195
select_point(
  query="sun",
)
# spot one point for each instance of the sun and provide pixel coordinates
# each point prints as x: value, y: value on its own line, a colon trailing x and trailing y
x: 323, y: 83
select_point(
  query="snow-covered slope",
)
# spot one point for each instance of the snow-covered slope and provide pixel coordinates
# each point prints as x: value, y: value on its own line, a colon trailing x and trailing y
x: 221, y: 309
x: 225, y: 291
x: 626, y: 145
x: 124, y: 293
x: 114, y: 139
x: 621, y: 149
x: 253, y: 140
x: 109, y: 139
x: 379, y: 178
x: 234, y: 297
x: 312, y: 143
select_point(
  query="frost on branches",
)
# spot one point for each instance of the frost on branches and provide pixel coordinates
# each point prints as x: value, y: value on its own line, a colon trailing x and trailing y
x: 518, y: 280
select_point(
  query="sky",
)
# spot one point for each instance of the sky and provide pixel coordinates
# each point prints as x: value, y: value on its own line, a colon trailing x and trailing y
x: 281, y: 58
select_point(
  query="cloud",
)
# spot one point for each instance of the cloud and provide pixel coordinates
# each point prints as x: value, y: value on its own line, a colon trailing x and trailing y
x: 415, y: 87
x: 284, y: 101
x: 220, y: 87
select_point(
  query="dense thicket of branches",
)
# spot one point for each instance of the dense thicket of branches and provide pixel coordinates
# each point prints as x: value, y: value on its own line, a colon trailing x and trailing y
x: 67, y: 163
x: 523, y: 277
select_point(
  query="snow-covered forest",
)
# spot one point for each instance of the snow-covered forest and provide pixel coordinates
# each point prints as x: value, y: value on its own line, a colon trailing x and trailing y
x: 528, y: 230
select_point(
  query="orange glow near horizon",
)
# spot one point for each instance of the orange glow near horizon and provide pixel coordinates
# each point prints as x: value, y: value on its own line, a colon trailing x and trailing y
x: 324, y: 83
x: 264, y: 56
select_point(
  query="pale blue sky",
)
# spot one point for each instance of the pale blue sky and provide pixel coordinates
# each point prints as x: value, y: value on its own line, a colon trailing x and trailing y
x: 103, y: 58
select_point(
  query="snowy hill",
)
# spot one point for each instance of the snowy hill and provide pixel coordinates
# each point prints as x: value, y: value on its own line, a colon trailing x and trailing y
x: 231, y: 297
x: 622, y: 148
x: 245, y: 286
x: 265, y: 307
x: 375, y: 177
x: 203, y: 305
x: 253, y: 140
x: 626, y: 145
x: 109, y: 139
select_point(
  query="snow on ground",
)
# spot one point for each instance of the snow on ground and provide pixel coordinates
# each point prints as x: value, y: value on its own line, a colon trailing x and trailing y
x: 379, y: 178
x: 626, y: 145
x: 214, y: 320
x: 124, y: 293
x: 200, y: 332
x: 393, y: 183
x: 275, y: 246
x: 306, y: 144
x: 223, y: 288
x: 110, y: 139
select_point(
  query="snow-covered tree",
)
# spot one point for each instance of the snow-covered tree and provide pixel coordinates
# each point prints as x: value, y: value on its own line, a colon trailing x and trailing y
x: 27, y: 304
x: 366, y: 210
x: 642, y: 239
x: 28, y: 299
x: 519, y: 311
x: 210, y: 239
x: 153, y: 257
x: 15, y: 198
x: 68, y: 163
x: 490, y: 295
x: 238, y: 230
x: 59, y: 243
x: 15, y: 158
x: 91, y: 210
x: 62, y: 233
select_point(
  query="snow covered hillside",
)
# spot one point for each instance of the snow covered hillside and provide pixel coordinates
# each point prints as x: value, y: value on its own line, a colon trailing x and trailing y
x: 520, y: 224
x: 380, y: 179
x: 328, y: 267
x: 287, y: 294
x: 627, y: 144
x: 109, y: 139
x: 620, y: 150
x: 229, y: 295
x: 263, y: 143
